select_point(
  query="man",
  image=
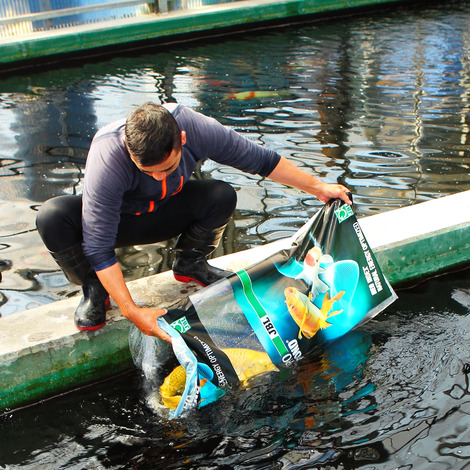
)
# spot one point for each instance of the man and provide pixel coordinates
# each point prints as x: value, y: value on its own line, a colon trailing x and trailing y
x: 137, y: 190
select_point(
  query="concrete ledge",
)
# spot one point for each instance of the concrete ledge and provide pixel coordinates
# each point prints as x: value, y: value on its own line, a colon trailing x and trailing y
x: 203, y: 21
x: 423, y: 239
x: 42, y: 353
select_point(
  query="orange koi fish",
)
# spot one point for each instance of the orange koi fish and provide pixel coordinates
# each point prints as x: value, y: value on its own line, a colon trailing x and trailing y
x: 247, y: 363
x: 249, y: 95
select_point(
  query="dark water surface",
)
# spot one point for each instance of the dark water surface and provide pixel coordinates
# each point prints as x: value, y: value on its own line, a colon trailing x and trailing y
x: 379, y: 102
x: 394, y: 394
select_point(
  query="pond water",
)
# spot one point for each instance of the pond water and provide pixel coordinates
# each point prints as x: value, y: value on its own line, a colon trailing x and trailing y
x: 393, y: 394
x: 379, y: 102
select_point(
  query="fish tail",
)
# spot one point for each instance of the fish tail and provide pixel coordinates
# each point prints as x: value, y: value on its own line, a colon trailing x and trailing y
x: 336, y: 312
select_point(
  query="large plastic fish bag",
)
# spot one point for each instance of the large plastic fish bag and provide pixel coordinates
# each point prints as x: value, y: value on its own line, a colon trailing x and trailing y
x: 270, y: 314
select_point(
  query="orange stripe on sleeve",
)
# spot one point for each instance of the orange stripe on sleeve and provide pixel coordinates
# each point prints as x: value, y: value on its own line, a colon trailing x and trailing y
x: 164, y: 188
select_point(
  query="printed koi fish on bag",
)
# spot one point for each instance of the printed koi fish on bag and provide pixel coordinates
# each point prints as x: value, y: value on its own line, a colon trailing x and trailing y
x: 266, y: 316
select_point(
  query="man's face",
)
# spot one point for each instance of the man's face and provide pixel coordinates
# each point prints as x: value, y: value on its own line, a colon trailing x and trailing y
x: 162, y: 170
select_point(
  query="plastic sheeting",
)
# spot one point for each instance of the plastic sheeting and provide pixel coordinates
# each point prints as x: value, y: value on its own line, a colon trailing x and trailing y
x: 269, y: 315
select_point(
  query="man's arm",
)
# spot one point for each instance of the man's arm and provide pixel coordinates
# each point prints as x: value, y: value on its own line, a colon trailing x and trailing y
x: 287, y: 173
x: 143, y: 318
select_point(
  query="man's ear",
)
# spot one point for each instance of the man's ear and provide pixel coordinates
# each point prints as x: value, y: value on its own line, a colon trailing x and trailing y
x: 183, y: 137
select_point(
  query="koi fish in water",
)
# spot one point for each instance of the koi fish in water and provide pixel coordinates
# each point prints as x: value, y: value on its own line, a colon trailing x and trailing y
x: 306, y: 314
x: 247, y: 363
x: 250, y: 95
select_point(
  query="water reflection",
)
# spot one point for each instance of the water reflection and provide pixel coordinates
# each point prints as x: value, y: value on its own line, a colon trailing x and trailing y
x: 379, y: 103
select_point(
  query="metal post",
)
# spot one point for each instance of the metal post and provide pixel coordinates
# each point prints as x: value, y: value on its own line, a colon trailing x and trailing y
x: 162, y: 6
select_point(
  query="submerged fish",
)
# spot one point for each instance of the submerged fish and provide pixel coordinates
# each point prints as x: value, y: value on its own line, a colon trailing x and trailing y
x: 306, y: 314
x: 249, y: 95
x: 247, y: 363
x: 173, y: 387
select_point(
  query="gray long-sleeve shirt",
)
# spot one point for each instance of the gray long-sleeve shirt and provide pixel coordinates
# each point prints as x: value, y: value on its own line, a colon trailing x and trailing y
x: 113, y: 185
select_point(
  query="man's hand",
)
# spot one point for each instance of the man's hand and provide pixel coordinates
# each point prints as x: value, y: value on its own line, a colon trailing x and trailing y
x: 143, y: 318
x: 287, y: 173
x: 333, y: 191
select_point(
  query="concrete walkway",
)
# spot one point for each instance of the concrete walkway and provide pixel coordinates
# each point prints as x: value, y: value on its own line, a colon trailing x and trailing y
x: 42, y: 353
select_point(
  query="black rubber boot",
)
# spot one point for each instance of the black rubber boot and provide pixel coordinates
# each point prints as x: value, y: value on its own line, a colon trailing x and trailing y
x: 192, y: 248
x: 91, y: 311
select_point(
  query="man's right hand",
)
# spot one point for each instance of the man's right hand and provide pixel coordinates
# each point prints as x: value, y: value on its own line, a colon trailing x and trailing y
x: 145, y: 319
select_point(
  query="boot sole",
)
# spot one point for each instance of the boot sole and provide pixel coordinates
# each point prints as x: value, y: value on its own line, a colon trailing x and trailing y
x: 90, y: 328
x: 181, y: 278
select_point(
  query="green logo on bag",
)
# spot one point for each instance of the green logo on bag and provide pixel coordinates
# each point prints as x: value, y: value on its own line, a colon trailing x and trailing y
x: 343, y: 213
x: 182, y: 325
